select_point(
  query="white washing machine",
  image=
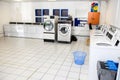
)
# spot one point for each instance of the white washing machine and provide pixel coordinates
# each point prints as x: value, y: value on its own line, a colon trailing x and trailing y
x: 110, y: 39
x: 64, y: 31
x: 49, y: 28
x: 103, y: 48
x: 102, y: 31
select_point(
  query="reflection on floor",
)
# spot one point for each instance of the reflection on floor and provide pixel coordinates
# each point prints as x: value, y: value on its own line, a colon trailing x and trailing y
x: 33, y: 59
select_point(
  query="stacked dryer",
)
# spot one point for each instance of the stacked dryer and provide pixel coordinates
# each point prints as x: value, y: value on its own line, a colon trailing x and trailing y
x: 49, y: 28
x: 64, y: 31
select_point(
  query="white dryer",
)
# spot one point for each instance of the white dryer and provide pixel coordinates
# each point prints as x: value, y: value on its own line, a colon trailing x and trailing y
x: 49, y: 29
x: 64, y: 31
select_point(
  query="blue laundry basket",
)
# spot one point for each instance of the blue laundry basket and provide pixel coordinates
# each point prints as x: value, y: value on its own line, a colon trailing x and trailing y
x: 79, y: 57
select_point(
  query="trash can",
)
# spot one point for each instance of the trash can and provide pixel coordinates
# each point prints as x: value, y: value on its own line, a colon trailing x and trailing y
x: 79, y: 57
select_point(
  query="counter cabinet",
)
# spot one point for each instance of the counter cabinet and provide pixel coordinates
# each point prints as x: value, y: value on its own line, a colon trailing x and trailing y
x: 23, y: 30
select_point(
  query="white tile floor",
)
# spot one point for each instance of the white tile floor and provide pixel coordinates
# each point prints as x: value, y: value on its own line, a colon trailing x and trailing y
x: 33, y: 59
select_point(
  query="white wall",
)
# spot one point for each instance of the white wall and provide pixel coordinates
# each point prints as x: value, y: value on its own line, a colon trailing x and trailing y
x: 103, y: 7
x: 113, y: 13
x: 118, y: 14
x: 25, y: 11
x: 15, y: 12
x: 4, y: 14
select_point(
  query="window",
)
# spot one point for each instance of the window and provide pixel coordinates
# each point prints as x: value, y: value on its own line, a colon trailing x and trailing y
x: 64, y: 12
x: 38, y: 12
x: 38, y: 19
x: 45, y: 11
x: 56, y: 12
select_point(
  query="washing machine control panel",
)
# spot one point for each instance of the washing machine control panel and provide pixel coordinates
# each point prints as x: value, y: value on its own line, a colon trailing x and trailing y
x: 117, y: 36
x: 104, y: 29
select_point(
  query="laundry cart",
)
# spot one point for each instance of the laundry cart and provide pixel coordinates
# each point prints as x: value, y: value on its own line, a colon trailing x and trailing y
x: 107, y: 70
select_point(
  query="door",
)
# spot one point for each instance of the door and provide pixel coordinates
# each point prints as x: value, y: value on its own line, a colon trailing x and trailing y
x: 63, y: 30
x: 48, y: 25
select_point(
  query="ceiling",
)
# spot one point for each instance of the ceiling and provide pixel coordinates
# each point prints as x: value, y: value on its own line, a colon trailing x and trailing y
x: 46, y: 0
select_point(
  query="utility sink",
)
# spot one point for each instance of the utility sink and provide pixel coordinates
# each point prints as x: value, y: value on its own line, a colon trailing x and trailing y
x: 103, y: 44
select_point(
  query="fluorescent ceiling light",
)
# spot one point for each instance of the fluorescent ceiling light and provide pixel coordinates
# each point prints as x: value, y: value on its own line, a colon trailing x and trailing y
x: 17, y: 0
x: 51, y: 0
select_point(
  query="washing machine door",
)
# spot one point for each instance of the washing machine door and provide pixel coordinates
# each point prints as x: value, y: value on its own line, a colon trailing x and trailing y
x: 63, y: 30
x: 48, y: 25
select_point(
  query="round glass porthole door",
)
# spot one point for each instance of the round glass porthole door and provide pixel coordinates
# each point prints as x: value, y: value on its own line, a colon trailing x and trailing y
x: 64, y: 30
x: 48, y: 25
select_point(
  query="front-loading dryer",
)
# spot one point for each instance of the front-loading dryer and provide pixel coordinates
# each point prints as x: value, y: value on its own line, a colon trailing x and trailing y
x: 49, y: 28
x: 64, y: 31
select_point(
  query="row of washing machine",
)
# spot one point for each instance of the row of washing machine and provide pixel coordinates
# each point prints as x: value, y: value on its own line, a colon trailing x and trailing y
x: 108, y: 35
x: 56, y: 30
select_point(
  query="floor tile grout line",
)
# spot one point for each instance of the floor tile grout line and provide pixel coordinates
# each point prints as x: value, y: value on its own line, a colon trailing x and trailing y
x: 73, y: 61
x: 62, y: 63
x: 16, y: 53
x: 81, y: 65
x: 36, y: 69
x: 50, y: 66
x: 25, y: 69
x: 46, y: 71
x: 29, y: 59
x: 77, y: 46
x: 79, y: 72
x: 21, y: 64
x: 69, y: 70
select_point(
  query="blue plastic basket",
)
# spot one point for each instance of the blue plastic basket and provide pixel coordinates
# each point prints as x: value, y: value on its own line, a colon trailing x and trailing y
x: 79, y: 57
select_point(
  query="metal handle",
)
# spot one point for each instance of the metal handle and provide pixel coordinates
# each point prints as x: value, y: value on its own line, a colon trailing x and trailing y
x: 118, y: 72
